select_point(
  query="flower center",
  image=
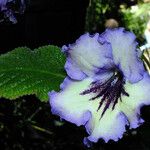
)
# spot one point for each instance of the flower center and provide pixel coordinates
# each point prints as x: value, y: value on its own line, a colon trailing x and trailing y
x: 110, y: 91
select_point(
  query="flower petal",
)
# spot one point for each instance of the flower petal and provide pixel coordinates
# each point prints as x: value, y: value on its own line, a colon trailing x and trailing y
x: 125, y: 53
x: 73, y: 71
x: 89, y: 55
x: 139, y: 95
x: 65, y: 83
x: 133, y: 115
x: 70, y: 105
x: 110, y: 127
x: 3, y: 5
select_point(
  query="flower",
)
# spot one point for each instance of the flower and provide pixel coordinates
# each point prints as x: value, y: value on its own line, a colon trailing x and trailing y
x: 9, y: 8
x: 105, y: 87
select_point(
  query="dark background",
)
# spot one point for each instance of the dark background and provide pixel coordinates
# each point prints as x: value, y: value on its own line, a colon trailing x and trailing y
x: 45, y: 22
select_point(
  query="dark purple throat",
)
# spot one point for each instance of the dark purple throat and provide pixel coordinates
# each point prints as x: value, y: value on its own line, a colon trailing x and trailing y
x: 107, y: 92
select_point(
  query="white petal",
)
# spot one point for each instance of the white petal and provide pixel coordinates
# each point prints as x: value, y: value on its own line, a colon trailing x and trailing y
x: 73, y: 70
x: 125, y: 53
x: 110, y: 127
x: 139, y: 95
x: 69, y: 104
x: 89, y: 54
x: 78, y: 109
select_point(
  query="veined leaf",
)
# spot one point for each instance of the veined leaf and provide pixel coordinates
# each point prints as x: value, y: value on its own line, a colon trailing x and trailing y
x: 25, y: 72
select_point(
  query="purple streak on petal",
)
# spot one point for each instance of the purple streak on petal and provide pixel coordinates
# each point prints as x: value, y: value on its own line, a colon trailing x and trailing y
x: 103, y: 76
x: 73, y: 70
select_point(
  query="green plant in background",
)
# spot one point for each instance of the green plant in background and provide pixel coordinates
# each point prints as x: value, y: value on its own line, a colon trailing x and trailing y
x: 136, y: 20
x: 97, y: 13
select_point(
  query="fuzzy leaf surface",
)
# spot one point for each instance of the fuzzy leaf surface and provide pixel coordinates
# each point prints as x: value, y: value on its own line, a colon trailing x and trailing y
x: 25, y: 72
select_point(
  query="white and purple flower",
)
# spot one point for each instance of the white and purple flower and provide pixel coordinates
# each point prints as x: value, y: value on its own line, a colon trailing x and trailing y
x: 106, y: 85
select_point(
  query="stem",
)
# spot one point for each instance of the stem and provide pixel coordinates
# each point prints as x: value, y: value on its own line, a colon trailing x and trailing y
x: 42, y: 129
x: 30, y: 118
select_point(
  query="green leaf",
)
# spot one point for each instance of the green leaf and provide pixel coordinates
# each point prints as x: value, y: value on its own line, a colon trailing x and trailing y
x: 25, y: 72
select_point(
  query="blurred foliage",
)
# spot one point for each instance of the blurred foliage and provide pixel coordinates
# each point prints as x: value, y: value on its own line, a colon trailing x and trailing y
x: 100, y: 10
x: 136, y: 20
